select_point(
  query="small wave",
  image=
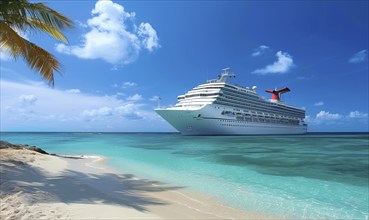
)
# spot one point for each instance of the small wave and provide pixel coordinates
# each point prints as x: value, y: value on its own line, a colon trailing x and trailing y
x: 91, y: 157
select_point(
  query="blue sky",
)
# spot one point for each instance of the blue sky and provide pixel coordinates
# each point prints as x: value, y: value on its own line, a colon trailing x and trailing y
x: 122, y: 55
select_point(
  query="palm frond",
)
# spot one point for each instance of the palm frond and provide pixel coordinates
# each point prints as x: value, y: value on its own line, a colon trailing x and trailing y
x: 49, y: 16
x: 11, y: 41
x: 14, y: 13
x: 23, y: 15
x: 42, y: 61
x: 51, y: 30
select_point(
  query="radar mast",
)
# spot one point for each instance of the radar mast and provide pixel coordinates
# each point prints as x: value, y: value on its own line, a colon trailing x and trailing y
x: 224, y: 74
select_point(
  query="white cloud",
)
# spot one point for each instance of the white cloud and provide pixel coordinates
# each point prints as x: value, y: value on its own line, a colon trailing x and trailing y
x: 319, y: 103
x: 120, y: 94
x: 73, y: 91
x: 135, y: 97
x: 283, y: 64
x: 113, y: 36
x: 323, y: 115
x: 150, y: 40
x: 359, y: 57
x: 128, y: 84
x: 28, y: 99
x: 260, y: 50
x: 155, y: 98
x: 80, y: 24
x: 324, y: 118
x: 104, y: 111
x: 357, y: 114
x: 307, y: 118
x: 31, y: 106
x: 129, y: 111
x: 114, y: 68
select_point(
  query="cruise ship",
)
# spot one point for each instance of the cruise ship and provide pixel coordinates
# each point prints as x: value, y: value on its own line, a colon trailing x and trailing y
x: 220, y: 108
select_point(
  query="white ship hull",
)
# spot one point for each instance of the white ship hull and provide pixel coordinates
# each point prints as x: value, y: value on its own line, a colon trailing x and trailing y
x: 209, y: 120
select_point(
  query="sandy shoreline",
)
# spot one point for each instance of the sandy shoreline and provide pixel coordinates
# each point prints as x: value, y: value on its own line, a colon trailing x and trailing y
x: 39, y: 186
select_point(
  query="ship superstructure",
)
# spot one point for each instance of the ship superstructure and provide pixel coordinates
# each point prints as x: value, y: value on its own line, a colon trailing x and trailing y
x: 219, y: 108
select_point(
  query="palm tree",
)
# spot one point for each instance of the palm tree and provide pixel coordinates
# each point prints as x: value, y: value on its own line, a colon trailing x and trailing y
x: 17, y: 16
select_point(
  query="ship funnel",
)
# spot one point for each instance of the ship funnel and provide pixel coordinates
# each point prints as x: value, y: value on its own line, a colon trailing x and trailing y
x: 276, y: 94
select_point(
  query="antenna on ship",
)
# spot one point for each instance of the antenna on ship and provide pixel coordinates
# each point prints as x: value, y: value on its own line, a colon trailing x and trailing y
x: 158, y: 99
x: 225, y: 73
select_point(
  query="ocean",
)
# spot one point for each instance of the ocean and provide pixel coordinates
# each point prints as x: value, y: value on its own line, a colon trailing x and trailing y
x: 312, y: 176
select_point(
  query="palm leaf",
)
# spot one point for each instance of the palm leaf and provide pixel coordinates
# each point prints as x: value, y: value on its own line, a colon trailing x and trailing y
x: 10, y: 41
x: 51, y: 30
x: 42, y: 61
x: 36, y: 57
x: 49, y: 16
x: 23, y: 15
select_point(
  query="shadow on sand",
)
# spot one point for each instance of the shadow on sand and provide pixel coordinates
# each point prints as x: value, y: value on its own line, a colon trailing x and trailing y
x: 77, y: 187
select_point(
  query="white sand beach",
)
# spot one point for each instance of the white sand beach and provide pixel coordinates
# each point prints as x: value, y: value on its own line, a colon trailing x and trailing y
x: 40, y: 186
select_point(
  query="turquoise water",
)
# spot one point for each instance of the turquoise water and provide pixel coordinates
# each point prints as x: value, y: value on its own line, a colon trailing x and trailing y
x: 309, y: 176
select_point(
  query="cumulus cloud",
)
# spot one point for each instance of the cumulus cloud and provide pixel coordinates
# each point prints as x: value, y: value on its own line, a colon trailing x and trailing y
x: 104, y: 111
x: 73, y: 91
x: 283, y: 64
x: 148, y: 36
x: 120, y: 94
x: 128, y: 110
x: 33, y: 106
x: 155, y: 98
x: 325, y: 117
x: 357, y: 114
x: 28, y: 99
x: 260, y: 50
x: 359, y: 57
x: 128, y: 84
x: 319, y: 103
x: 135, y: 97
x: 114, y: 68
x: 113, y: 37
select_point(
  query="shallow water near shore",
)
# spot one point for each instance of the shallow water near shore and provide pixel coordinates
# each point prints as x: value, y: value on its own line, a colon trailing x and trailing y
x: 302, y: 176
